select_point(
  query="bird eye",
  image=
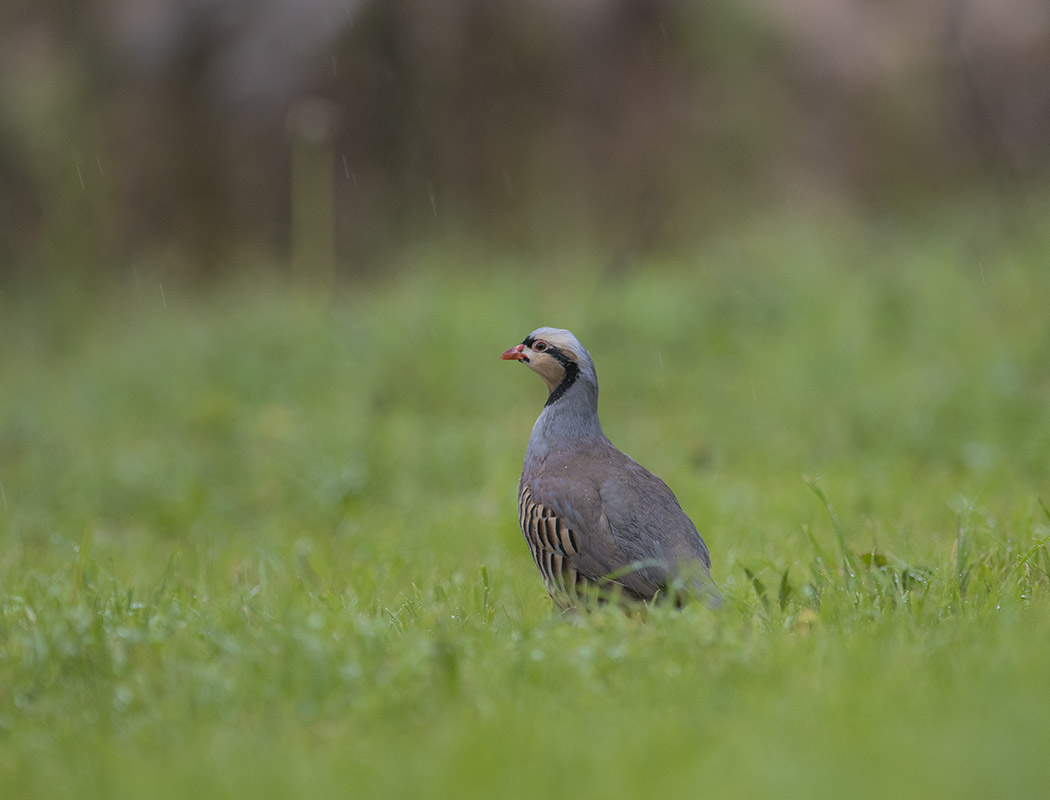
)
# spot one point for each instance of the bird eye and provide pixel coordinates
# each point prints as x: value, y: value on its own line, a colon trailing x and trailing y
x: 539, y: 346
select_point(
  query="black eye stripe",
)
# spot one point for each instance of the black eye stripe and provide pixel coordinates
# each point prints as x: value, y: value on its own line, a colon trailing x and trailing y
x: 559, y: 356
x: 552, y: 350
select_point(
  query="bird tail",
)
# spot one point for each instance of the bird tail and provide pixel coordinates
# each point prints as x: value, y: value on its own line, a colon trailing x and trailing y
x: 690, y: 580
x: 693, y: 580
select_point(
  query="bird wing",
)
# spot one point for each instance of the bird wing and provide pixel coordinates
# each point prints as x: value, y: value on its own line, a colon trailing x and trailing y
x: 573, y: 500
x: 624, y: 524
x: 647, y: 520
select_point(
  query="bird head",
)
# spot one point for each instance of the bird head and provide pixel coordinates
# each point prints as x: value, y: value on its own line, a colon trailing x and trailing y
x: 556, y: 356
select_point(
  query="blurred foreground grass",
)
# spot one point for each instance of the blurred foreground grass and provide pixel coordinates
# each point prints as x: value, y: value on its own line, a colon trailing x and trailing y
x: 262, y: 541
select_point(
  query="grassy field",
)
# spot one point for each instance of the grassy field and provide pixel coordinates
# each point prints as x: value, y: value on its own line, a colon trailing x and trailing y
x: 262, y: 542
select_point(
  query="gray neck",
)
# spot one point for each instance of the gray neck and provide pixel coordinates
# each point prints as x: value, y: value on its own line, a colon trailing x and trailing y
x: 567, y: 422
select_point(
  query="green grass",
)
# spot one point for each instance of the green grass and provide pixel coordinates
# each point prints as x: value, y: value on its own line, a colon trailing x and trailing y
x: 262, y: 542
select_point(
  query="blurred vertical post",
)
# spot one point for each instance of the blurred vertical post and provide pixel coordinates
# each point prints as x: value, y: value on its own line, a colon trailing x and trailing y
x: 311, y: 125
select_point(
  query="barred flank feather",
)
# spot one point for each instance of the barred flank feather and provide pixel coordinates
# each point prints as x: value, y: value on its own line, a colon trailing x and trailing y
x: 552, y: 544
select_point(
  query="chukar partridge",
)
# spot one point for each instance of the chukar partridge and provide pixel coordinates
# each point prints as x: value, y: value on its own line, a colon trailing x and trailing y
x: 597, y: 523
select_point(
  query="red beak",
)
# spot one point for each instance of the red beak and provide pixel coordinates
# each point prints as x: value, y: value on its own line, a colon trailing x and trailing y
x: 516, y: 353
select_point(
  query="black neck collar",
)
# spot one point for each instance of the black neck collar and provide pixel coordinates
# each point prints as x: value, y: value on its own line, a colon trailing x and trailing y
x: 572, y: 372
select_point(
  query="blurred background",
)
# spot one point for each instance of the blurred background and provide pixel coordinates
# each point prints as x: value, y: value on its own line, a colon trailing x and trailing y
x: 195, y: 138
